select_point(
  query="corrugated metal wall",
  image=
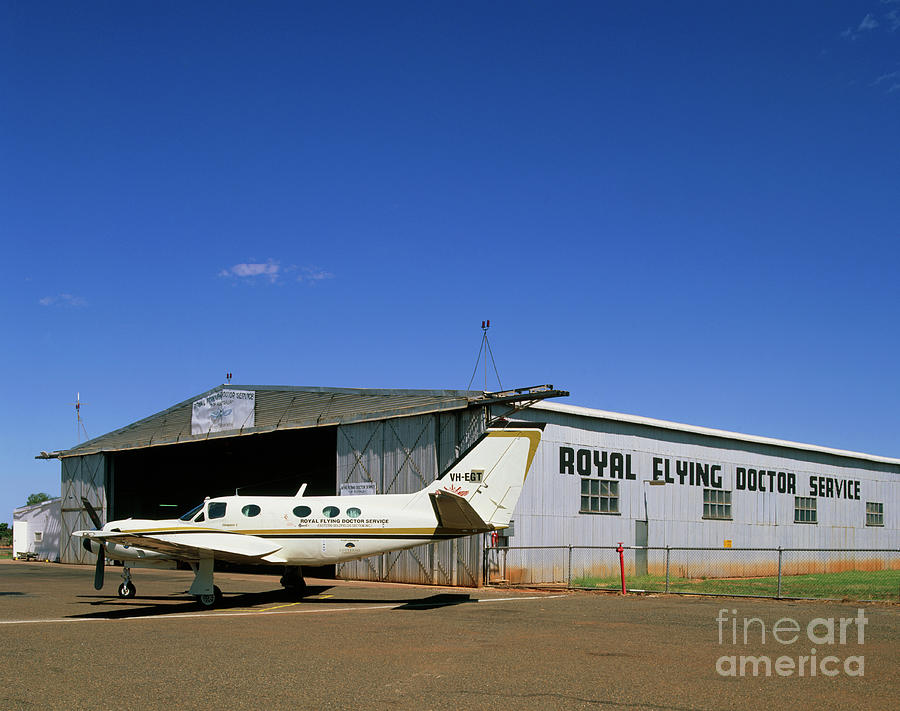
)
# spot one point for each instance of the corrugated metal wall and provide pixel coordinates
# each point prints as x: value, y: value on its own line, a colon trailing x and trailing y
x: 81, y: 477
x: 548, y: 513
x: 400, y: 456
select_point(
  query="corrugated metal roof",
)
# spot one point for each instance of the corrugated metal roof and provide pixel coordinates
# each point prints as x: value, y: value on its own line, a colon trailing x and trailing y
x: 280, y: 408
x: 724, y: 434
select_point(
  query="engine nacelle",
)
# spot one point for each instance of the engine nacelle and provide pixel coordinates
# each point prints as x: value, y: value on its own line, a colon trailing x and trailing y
x: 120, y: 551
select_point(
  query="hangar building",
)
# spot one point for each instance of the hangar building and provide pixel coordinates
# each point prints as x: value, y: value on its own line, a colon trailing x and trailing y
x: 597, y: 473
x: 599, y: 477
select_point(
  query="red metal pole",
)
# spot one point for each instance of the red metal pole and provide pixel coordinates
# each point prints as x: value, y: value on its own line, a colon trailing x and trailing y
x: 622, y: 565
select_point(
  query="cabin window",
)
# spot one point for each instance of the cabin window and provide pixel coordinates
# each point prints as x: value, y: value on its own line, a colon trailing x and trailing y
x: 190, y: 514
x: 599, y: 496
x: 717, y: 504
x: 331, y: 511
x: 217, y: 509
x: 804, y: 509
x: 353, y: 512
x: 251, y: 510
x: 302, y: 511
x: 200, y: 518
x: 874, y: 514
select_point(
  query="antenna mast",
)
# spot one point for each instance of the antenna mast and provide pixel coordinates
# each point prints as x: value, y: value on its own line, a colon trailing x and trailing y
x: 79, y: 423
x: 486, y: 349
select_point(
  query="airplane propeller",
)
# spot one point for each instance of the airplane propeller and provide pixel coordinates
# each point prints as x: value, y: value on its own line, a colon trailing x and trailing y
x: 99, y: 571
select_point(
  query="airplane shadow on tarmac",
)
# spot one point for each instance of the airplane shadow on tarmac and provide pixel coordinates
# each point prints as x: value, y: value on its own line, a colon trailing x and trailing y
x: 144, y: 606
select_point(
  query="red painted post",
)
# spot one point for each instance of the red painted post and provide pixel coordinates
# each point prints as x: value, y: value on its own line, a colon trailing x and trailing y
x: 622, y: 565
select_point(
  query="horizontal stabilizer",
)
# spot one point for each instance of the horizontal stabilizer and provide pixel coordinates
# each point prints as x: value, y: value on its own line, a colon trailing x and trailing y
x: 456, y: 513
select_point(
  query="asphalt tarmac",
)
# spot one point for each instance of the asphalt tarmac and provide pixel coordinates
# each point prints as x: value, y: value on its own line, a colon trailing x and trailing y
x: 347, y: 645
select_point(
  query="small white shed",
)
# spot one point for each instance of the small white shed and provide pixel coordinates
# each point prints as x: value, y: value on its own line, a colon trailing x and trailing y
x: 36, y: 529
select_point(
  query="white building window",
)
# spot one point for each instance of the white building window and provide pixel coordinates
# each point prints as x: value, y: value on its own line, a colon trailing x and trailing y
x: 717, y: 504
x: 804, y: 509
x: 598, y: 496
x: 874, y: 514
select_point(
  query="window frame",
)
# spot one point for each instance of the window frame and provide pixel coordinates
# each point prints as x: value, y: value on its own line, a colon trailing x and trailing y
x: 216, y: 504
x: 254, y: 508
x: 603, y: 492
x: 812, y: 510
x: 710, y: 506
x: 875, y: 518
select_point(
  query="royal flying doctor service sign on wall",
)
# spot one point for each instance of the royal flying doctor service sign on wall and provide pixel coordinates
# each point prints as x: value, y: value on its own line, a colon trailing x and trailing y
x: 224, y: 410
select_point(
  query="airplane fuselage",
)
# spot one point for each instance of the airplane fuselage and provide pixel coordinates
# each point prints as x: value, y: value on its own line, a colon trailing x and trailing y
x: 311, y: 530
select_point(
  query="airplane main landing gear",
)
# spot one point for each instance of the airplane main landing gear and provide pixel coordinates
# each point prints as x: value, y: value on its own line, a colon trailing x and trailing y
x: 203, y: 590
x: 293, y: 579
x: 210, y: 600
x: 127, y: 588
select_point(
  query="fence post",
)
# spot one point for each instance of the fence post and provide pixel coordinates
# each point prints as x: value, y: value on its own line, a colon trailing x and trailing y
x: 569, y: 569
x: 667, y: 568
x: 778, y: 594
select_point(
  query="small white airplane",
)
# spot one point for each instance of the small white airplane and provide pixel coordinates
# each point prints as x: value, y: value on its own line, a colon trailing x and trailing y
x: 476, y: 493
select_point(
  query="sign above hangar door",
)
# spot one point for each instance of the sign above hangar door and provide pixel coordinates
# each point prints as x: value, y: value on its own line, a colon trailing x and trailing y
x: 224, y: 410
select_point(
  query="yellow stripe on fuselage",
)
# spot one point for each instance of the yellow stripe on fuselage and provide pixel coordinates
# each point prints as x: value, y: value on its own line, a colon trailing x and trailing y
x: 350, y: 532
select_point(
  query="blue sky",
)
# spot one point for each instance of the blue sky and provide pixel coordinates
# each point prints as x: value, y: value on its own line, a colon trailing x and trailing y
x: 687, y: 211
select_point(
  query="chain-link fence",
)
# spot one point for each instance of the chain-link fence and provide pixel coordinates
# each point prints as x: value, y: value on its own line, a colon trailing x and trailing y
x: 832, y: 574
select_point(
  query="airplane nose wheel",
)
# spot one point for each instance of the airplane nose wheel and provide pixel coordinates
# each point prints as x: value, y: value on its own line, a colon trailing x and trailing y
x: 126, y: 589
x: 210, y: 601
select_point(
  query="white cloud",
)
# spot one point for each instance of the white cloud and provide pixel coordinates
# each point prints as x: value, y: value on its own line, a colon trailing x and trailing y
x: 893, y: 17
x: 269, y: 270
x: 312, y: 275
x: 868, y: 23
x: 63, y: 300
x: 885, y: 77
x: 893, y: 79
x: 273, y: 271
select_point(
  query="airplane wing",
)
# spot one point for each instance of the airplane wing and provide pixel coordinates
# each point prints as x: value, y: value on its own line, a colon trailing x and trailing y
x: 188, y: 546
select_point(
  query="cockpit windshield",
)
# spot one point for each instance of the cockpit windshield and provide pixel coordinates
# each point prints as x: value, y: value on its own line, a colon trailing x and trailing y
x: 190, y: 514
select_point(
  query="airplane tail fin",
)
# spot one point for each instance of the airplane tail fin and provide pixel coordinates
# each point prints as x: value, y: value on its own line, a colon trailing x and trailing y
x: 479, y: 491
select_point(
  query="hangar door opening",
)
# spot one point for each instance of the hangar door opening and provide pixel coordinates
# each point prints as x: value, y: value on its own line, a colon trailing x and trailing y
x: 166, y: 481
